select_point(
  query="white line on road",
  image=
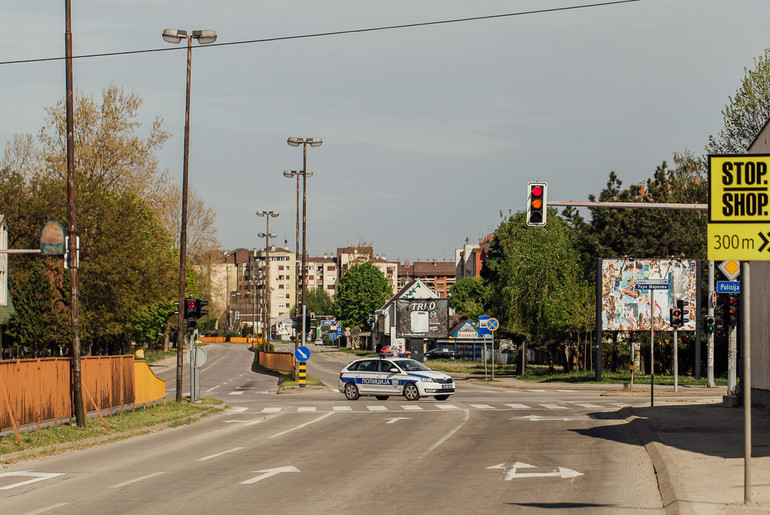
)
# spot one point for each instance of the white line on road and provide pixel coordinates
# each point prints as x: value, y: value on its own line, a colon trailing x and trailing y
x: 411, y: 407
x: 210, y: 456
x: 137, y: 479
x: 588, y: 405
x: 271, y: 410
x: 342, y: 408
x: 306, y: 409
x: 553, y: 406
x: 276, y: 435
x: 518, y: 406
x: 213, y: 388
x: 36, y: 476
x: 377, y: 408
x: 47, y: 508
x: 446, y: 406
x: 482, y: 406
x: 236, y: 409
x: 236, y: 393
x: 448, y: 435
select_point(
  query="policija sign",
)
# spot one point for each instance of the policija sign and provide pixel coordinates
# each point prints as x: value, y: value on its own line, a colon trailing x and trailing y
x: 739, y: 207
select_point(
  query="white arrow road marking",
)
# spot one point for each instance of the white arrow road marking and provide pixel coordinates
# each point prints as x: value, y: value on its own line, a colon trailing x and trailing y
x: 220, y: 454
x: 396, y: 419
x: 269, y: 473
x: 36, y: 476
x: 510, y: 471
x: 538, y: 418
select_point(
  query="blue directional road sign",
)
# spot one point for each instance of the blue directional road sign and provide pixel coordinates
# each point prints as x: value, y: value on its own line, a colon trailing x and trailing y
x: 728, y: 286
x: 302, y: 353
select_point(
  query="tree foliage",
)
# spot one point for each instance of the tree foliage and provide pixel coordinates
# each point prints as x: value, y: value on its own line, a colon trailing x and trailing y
x: 746, y: 112
x: 361, y: 291
x: 467, y: 297
x: 318, y: 301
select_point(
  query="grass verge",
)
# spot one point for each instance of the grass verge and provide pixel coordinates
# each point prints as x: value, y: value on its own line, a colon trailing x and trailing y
x: 50, y: 440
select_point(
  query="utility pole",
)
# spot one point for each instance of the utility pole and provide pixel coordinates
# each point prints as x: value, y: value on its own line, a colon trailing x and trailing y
x: 77, y: 393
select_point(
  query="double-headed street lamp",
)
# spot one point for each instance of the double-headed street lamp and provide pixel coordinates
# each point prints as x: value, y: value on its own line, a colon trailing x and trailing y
x: 305, y: 173
x: 203, y: 37
x: 267, y: 235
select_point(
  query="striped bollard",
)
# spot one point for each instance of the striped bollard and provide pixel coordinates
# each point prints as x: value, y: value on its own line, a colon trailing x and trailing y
x: 302, y: 374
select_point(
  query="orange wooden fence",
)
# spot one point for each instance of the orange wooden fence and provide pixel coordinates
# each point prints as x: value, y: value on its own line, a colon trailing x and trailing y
x: 283, y: 361
x: 34, y: 391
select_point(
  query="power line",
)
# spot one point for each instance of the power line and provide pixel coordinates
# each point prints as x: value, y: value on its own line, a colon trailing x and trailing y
x: 326, y: 34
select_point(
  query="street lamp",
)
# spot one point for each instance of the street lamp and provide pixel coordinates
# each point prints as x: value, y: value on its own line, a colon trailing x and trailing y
x: 295, y: 142
x: 204, y: 37
x: 267, y: 235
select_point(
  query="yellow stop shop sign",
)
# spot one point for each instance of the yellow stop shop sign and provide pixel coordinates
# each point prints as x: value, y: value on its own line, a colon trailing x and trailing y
x: 739, y: 207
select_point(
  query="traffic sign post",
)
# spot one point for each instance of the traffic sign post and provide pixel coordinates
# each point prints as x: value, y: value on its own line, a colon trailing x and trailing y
x: 492, y: 325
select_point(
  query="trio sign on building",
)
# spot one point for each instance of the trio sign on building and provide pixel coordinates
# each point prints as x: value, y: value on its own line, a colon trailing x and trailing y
x: 739, y: 207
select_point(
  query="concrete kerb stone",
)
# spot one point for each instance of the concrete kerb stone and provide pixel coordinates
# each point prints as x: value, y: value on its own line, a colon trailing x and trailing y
x: 668, y: 481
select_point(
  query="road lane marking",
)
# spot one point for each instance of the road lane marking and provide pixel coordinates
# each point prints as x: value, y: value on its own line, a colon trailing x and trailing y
x: 271, y: 410
x: 511, y: 471
x: 47, y: 508
x: 536, y: 391
x: 396, y: 419
x: 269, y: 473
x: 213, y: 388
x: 36, y: 476
x: 276, y: 435
x: 377, y: 408
x: 210, y: 456
x: 237, y: 409
x: 518, y: 406
x: 566, y: 391
x: 411, y: 407
x: 483, y: 406
x: 448, y: 435
x: 306, y: 409
x: 446, y: 406
x: 342, y: 408
x: 236, y: 392
x: 588, y: 405
x: 137, y: 479
x: 553, y: 406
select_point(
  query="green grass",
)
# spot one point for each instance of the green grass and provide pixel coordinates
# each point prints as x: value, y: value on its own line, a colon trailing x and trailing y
x: 151, y: 356
x: 53, y: 439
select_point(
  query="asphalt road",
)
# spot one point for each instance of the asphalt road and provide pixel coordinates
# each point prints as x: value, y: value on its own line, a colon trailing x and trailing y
x: 482, y: 451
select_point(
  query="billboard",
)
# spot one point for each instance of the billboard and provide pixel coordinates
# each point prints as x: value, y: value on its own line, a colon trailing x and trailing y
x: 625, y: 307
x: 422, y: 318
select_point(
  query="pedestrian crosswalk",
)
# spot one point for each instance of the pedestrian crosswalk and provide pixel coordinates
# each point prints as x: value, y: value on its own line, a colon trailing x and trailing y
x: 440, y: 406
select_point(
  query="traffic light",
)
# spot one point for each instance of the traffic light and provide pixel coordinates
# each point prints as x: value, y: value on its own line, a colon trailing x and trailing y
x: 536, y: 203
x: 730, y: 310
x: 676, y: 314
x: 199, y: 311
x: 191, y: 308
x: 710, y: 324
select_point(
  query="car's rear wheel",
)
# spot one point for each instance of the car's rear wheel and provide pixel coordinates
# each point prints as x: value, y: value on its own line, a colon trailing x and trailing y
x: 382, y: 397
x: 441, y: 397
x: 411, y: 392
x: 351, y: 392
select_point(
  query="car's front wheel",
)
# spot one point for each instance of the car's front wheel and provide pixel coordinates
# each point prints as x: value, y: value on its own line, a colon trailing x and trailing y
x: 411, y: 392
x: 441, y: 397
x: 351, y: 392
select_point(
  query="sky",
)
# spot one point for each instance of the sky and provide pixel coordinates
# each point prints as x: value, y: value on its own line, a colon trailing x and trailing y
x: 430, y: 133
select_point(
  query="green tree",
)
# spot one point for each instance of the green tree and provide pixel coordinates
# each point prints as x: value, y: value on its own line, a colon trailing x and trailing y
x: 362, y: 290
x: 746, y: 112
x: 319, y: 302
x: 467, y: 297
x: 537, y: 286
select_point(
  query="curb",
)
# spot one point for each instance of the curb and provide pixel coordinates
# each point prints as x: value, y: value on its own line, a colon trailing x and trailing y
x: 668, y: 481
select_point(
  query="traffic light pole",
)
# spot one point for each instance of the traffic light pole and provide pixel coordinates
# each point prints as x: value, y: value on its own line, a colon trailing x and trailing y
x: 710, y: 336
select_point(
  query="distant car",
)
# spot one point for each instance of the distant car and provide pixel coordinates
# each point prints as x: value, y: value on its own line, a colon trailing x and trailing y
x: 443, y: 354
x: 386, y: 376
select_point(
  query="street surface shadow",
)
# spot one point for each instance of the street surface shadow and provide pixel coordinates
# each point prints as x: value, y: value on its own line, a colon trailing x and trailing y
x: 704, y: 429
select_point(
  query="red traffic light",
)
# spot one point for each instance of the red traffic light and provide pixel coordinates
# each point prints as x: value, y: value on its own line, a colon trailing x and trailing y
x: 191, y: 304
x: 537, y: 191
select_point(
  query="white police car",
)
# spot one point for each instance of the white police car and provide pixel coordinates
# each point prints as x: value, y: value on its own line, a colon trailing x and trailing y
x: 386, y: 376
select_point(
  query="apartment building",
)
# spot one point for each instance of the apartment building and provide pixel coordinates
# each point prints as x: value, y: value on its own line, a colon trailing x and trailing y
x: 322, y: 274
x: 438, y: 276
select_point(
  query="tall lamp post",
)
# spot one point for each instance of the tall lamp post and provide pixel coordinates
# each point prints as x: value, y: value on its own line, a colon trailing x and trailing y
x: 295, y: 142
x: 267, y: 235
x: 289, y: 174
x: 204, y: 37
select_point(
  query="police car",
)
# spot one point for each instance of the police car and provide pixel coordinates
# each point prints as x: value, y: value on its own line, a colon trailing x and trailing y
x: 387, y: 375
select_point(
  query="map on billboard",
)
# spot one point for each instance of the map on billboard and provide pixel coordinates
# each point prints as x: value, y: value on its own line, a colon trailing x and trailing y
x: 422, y: 318
x: 626, y: 301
